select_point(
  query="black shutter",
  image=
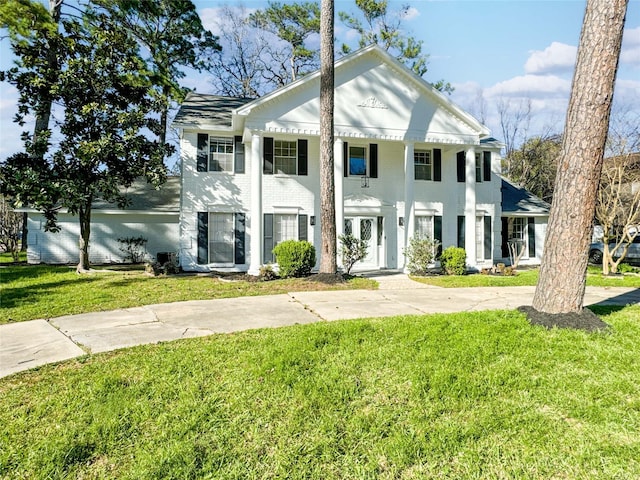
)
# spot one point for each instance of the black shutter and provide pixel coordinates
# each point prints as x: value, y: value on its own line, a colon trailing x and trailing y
x: 437, y: 165
x: 437, y: 233
x: 461, y: 231
x: 486, y: 164
x: 267, y: 156
x: 488, y: 246
x: 303, y: 161
x: 461, y: 166
x: 238, y: 156
x: 203, y: 238
x: 531, y: 231
x: 345, y: 159
x: 267, y: 254
x: 373, y: 160
x: 302, y: 227
x: 202, y: 159
x: 239, y: 238
x: 505, y: 237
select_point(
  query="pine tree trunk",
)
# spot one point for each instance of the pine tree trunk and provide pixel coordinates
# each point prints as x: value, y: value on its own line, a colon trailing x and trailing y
x: 327, y: 182
x: 562, y: 280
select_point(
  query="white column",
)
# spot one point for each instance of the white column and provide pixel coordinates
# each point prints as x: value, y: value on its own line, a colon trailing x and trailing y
x: 255, y: 161
x: 470, y: 207
x: 338, y: 173
x: 409, y: 204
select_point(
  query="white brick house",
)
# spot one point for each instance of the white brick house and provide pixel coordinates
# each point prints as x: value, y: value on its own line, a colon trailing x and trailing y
x: 407, y: 160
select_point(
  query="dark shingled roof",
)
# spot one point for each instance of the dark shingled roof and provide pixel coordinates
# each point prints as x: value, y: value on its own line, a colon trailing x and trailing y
x: 199, y: 108
x: 516, y: 199
x: 144, y: 197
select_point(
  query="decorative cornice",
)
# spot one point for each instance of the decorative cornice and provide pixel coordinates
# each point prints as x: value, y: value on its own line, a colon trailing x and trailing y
x: 373, y: 102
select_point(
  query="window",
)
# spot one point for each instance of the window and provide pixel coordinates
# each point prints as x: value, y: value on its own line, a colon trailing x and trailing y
x: 480, y: 238
x: 478, y: 168
x: 221, y: 238
x: 423, y: 164
x: 285, y: 156
x: 220, y: 154
x: 424, y: 226
x: 518, y: 232
x: 484, y: 239
x: 357, y: 161
x: 285, y: 228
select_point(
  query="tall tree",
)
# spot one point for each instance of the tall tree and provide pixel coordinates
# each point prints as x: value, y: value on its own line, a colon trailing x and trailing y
x: 238, y: 67
x: 562, y: 279
x: 105, y: 92
x: 328, y: 262
x: 171, y: 32
x: 375, y: 23
x: 294, y: 24
x: 534, y: 164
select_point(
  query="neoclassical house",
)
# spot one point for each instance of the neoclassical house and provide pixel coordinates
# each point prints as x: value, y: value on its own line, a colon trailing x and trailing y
x: 407, y: 161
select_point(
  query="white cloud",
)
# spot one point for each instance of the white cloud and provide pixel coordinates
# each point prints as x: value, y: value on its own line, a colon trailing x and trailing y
x: 534, y: 86
x: 631, y: 46
x: 557, y: 57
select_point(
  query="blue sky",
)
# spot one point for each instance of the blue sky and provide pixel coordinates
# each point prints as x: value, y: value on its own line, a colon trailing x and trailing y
x: 502, y: 51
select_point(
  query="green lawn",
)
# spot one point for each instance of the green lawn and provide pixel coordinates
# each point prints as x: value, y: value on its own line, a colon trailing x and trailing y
x: 480, y: 395
x: 29, y: 292
x: 523, y: 278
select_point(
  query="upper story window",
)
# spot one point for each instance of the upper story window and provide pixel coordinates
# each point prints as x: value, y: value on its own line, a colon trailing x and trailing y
x: 220, y: 154
x: 478, y: 168
x: 357, y: 161
x: 423, y: 164
x: 285, y: 156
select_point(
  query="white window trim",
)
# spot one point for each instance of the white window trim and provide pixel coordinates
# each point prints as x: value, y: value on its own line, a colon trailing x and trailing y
x: 367, y: 165
x: 430, y: 164
x: 275, y: 158
x: 210, y: 153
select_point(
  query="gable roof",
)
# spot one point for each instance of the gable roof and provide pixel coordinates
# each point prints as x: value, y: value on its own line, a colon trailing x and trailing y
x: 203, y: 110
x: 146, y: 198
x: 516, y: 200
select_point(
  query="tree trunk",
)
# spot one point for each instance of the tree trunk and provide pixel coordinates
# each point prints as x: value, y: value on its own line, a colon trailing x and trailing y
x: 327, y: 186
x: 562, y: 280
x: 84, y: 216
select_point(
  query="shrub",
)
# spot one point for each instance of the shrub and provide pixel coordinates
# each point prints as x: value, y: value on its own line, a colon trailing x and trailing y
x: 133, y: 248
x: 295, y: 258
x: 420, y: 254
x: 453, y: 261
x: 267, y: 274
x: 353, y: 250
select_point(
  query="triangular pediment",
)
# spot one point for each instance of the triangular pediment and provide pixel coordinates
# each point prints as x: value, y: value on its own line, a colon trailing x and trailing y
x: 375, y: 97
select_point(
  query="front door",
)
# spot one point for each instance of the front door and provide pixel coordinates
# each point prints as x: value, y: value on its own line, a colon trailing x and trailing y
x: 364, y: 228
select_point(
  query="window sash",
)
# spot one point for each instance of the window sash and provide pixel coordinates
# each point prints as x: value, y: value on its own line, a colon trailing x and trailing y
x: 221, y: 154
x: 423, y: 164
x: 357, y: 161
x: 285, y: 228
x: 480, y: 238
x: 285, y: 156
x: 424, y: 226
x: 478, y: 168
x: 221, y: 238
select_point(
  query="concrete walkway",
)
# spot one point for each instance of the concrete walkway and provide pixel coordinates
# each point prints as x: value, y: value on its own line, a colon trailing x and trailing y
x: 30, y: 344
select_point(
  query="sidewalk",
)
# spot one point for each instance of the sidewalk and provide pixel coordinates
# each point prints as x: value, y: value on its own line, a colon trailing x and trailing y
x: 30, y: 344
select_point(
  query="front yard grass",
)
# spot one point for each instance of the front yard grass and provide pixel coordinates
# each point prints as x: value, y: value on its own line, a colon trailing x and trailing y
x: 29, y: 292
x: 479, y: 395
x: 525, y: 277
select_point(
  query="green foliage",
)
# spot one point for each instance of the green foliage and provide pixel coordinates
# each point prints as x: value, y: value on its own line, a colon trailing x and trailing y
x: 375, y: 23
x: 295, y: 258
x: 133, y: 248
x: 108, y: 110
x: 533, y: 166
x: 420, y: 254
x: 626, y: 268
x: 352, y: 250
x: 294, y: 24
x: 475, y: 395
x: 454, y: 261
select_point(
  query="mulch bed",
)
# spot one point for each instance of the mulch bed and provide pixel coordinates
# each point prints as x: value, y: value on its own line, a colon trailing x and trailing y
x: 584, y: 320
